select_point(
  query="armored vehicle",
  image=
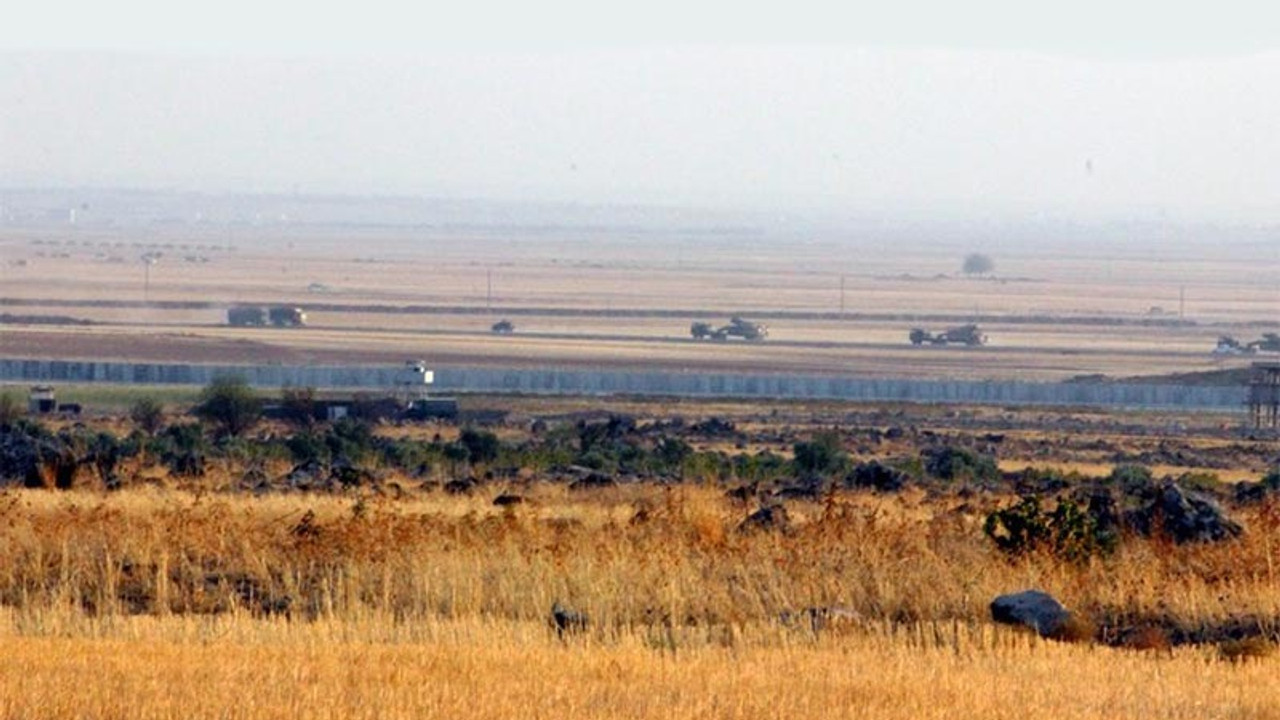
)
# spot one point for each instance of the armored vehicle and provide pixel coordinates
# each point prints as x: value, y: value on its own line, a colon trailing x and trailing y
x: 1270, y: 342
x: 737, y: 327
x: 963, y: 335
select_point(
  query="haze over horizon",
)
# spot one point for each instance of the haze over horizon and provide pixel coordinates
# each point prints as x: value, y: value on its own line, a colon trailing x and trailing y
x: 894, y: 117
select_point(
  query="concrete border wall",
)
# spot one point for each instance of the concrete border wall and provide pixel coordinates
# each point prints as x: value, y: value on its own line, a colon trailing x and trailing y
x: 607, y: 382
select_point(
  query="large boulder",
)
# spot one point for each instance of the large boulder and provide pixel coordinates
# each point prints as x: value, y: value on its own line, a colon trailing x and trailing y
x: 1033, y: 609
x: 1183, y: 517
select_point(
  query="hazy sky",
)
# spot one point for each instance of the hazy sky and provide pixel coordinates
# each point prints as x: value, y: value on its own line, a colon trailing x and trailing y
x: 980, y: 107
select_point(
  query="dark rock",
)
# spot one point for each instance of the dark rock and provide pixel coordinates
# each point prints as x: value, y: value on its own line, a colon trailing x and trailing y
x: 770, y: 517
x: 460, y: 486
x: 566, y: 621
x: 1033, y: 609
x: 508, y: 499
x: 1255, y: 492
x: 714, y: 427
x: 878, y: 476
x: 799, y: 490
x: 350, y: 476
x: 593, y: 481
x: 305, y: 476
x: 1183, y: 517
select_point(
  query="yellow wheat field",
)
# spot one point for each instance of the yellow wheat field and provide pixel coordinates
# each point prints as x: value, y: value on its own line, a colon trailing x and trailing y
x: 158, y: 603
x: 238, y: 667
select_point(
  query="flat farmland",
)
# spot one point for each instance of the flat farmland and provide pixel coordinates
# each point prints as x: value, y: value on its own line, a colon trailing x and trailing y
x: 627, y: 303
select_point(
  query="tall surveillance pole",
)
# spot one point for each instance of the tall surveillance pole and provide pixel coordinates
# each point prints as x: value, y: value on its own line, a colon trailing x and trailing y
x: 147, y: 262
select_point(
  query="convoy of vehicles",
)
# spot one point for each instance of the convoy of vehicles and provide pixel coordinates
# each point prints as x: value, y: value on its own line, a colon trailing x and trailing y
x: 254, y: 316
x: 1228, y: 345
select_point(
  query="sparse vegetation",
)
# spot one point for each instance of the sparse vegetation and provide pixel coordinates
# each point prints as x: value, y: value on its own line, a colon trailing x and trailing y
x: 353, y: 543
x: 147, y: 414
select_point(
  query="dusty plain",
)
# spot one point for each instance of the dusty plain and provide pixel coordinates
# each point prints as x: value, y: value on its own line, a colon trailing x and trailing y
x: 626, y: 302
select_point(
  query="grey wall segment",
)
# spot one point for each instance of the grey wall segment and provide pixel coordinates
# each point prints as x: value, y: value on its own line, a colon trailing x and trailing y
x: 586, y: 382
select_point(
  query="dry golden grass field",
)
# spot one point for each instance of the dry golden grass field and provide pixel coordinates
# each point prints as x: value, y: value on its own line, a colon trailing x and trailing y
x: 162, y: 603
x: 1055, y: 297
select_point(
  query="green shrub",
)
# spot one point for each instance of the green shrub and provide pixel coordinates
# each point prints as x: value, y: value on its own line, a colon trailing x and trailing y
x: 1069, y: 532
x: 823, y: 455
x: 182, y: 449
x: 306, y: 447
x: 482, y: 446
x: 1130, y: 479
x: 351, y: 441
x: 953, y: 463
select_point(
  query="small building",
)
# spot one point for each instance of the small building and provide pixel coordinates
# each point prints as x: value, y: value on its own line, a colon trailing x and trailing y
x: 42, y: 400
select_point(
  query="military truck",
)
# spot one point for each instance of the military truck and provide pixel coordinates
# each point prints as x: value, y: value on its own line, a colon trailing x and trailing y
x: 246, y: 316
x: 503, y: 327
x: 962, y: 335
x: 281, y: 316
x: 737, y: 327
x: 1270, y: 342
x: 1228, y: 345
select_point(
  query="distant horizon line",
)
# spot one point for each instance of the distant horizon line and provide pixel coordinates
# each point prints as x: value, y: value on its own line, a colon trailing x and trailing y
x: 910, y: 211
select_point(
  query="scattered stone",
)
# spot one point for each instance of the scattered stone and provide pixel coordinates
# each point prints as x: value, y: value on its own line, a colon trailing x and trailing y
x: 1033, y: 609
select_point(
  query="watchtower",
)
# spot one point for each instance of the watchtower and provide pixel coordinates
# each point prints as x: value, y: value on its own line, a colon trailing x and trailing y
x: 1264, y: 395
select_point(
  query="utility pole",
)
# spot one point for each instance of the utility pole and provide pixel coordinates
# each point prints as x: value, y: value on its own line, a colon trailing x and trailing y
x: 1182, y: 302
x: 488, y: 293
x: 841, y: 294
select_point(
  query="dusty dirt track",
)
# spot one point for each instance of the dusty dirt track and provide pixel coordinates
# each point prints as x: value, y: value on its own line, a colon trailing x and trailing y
x: 456, y: 348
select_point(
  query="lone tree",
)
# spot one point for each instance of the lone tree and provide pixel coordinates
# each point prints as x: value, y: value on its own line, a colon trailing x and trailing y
x: 978, y: 264
x: 230, y: 404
